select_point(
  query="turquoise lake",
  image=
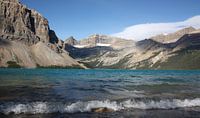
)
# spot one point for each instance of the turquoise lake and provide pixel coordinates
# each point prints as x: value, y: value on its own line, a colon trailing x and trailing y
x: 75, y: 93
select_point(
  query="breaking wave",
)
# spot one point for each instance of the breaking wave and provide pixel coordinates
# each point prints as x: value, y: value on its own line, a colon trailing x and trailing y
x: 52, y: 107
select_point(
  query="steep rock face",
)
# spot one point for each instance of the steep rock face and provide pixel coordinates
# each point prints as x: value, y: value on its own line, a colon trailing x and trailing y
x: 26, y: 39
x: 22, y: 23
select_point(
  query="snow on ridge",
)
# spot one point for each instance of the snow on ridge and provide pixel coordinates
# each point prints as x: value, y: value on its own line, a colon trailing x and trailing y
x: 103, y: 44
x: 80, y: 46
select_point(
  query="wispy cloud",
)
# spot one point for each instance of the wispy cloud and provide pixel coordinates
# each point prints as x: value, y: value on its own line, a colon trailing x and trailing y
x: 142, y: 31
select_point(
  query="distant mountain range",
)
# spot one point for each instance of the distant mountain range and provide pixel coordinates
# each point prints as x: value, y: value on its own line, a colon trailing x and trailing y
x: 26, y: 40
x: 179, y: 50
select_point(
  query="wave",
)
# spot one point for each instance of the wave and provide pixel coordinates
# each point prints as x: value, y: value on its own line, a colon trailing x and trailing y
x: 125, y: 92
x: 53, y: 107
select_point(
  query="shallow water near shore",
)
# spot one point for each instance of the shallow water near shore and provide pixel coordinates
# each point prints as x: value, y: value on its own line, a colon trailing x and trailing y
x: 75, y: 93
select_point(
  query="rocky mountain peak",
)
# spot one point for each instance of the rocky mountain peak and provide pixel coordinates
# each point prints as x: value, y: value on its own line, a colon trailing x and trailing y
x: 93, y: 40
x: 185, y: 30
x: 173, y: 37
x: 71, y: 41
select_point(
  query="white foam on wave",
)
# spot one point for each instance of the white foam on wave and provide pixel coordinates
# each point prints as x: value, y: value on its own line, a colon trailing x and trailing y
x: 162, y: 104
x: 48, y: 107
x: 88, y: 106
x: 34, y: 108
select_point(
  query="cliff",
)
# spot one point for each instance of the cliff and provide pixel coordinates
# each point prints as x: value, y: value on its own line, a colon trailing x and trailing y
x: 26, y: 39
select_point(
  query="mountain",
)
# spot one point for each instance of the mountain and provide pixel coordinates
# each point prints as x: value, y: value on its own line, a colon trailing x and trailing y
x: 183, y: 53
x: 71, y: 41
x: 98, y: 40
x: 27, y: 41
x: 99, y: 50
x: 173, y: 37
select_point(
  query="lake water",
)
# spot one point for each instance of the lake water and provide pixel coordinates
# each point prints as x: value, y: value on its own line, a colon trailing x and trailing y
x: 76, y: 93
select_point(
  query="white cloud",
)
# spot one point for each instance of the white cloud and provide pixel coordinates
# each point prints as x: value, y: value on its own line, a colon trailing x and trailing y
x: 142, y: 31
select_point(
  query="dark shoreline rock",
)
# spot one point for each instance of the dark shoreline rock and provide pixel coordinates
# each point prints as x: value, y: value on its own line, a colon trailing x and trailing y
x: 102, y: 110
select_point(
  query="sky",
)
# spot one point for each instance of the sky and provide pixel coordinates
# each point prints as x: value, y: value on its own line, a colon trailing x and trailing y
x: 81, y: 18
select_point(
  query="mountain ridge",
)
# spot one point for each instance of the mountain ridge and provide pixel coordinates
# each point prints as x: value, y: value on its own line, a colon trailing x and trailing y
x: 144, y: 54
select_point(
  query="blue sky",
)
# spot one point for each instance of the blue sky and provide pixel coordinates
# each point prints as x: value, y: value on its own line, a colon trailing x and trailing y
x: 81, y: 18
